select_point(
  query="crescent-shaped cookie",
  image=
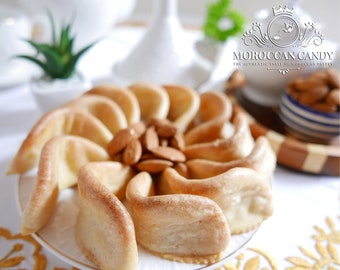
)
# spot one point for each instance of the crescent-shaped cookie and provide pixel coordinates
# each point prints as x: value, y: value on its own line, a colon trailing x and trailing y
x: 104, y: 229
x: 237, y: 146
x: 61, y: 157
x: 177, y: 226
x: 153, y: 100
x: 57, y: 122
x: 262, y: 159
x: 123, y: 97
x: 184, y: 105
x: 104, y: 109
x: 242, y: 193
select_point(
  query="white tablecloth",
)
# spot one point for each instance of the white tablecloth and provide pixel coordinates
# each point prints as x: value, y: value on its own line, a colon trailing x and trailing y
x: 302, y: 201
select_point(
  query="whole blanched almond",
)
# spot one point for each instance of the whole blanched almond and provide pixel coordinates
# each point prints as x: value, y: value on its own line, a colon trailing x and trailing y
x: 132, y: 152
x: 153, y: 165
x: 333, y: 97
x: 121, y: 140
x: 313, y: 95
x: 169, y: 153
x: 151, y: 139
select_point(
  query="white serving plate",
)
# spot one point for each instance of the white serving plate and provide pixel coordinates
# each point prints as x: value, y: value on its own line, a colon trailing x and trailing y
x: 58, y: 236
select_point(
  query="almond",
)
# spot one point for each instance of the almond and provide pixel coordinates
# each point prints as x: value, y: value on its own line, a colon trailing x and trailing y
x: 177, y: 141
x: 151, y: 139
x: 333, y: 97
x: 182, y: 169
x: 164, y: 127
x: 333, y: 78
x: 324, y: 107
x: 308, y: 84
x: 320, y: 75
x: 313, y: 95
x: 121, y: 140
x: 169, y: 153
x: 154, y: 165
x: 166, y: 130
x: 133, y: 152
x: 139, y: 128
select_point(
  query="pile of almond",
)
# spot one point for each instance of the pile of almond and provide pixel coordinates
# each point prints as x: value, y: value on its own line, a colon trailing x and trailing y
x: 319, y: 90
x: 151, y: 146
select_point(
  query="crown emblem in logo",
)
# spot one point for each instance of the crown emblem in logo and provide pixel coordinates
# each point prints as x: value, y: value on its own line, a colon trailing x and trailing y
x: 283, y: 10
x: 283, y: 31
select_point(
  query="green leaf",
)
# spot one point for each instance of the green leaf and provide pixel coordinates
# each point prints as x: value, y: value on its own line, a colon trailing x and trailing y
x: 53, y: 28
x: 57, y: 60
x: 34, y: 60
x: 53, y: 60
x: 64, y: 42
x: 71, y: 65
x: 215, y: 13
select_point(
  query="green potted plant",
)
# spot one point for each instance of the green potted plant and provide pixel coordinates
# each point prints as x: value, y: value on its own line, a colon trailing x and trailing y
x: 221, y: 25
x: 60, y: 80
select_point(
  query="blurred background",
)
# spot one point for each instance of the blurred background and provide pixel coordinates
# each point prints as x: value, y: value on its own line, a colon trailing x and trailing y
x: 192, y: 12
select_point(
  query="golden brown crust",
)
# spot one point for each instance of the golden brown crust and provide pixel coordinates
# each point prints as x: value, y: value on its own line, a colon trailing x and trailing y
x: 215, y: 109
x: 104, y: 229
x: 262, y: 159
x: 236, y: 146
x: 176, y: 226
x: 57, y: 122
x: 60, y: 160
x: 184, y: 105
x: 123, y: 97
x: 104, y: 109
x: 152, y: 99
x: 242, y: 185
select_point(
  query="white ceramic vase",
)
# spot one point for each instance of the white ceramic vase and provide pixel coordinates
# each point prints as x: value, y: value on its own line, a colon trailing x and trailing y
x: 165, y: 53
x: 51, y: 94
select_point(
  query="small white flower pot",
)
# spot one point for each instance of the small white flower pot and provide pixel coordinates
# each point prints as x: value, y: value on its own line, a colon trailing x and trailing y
x: 50, y: 94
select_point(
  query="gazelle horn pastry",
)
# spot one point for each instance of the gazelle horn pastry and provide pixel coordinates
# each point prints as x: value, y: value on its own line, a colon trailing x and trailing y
x: 176, y: 226
x: 262, y: 159
x: 215, y: 109
x: 104, y: 229
x: 61, y: 121
x: 242, y: 185
x: 153, y: 100
x: 184, y: 105
x: 61, y: 157
x: 104, y: 109
x: 237, y: 146
x: 123, y: 97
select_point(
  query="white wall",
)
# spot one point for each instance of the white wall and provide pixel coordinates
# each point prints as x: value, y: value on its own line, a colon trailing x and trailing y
x: 325, y: 12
